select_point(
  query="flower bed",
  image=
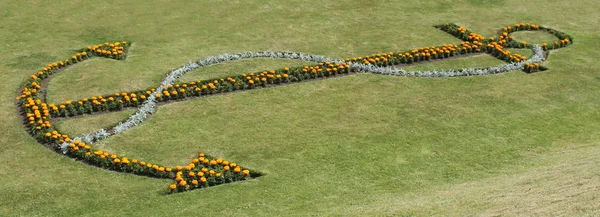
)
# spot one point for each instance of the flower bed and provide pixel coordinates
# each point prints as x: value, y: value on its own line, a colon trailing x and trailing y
x: 205, y: 171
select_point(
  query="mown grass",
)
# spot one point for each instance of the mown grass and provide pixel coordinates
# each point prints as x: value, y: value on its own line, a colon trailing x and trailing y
x: 357, y: 145
x: 534, y: 37
x: 92, y: 123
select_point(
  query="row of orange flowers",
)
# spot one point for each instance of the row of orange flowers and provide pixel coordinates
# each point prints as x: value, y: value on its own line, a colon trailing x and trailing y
x: 496, y: 45
x: 205, y: 172
x: 563, y: 38
x: 472, y: 43
x: 37, y: 114
x: 35, y: 111
x: 197, y: 88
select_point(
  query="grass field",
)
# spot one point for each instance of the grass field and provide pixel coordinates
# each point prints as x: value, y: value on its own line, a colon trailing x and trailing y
x: 508, y: 144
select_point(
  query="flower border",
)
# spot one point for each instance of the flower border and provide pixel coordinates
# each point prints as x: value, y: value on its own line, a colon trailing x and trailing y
x: 205, y: 171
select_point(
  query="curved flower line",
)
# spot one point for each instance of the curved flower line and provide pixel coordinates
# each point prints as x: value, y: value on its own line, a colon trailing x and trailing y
x: 538, y: 57
x: 149, y: 106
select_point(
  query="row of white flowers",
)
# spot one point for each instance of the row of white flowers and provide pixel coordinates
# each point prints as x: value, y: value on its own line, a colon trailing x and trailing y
x: 149, y: 106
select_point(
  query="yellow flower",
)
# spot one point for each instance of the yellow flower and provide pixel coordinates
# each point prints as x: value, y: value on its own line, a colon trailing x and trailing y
x: 246, y: 172
x: 172, y: 186
x: 182, y: 183
x: 203, y: 180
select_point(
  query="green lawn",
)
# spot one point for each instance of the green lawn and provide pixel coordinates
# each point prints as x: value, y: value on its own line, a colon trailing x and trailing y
x: 356, y: 145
